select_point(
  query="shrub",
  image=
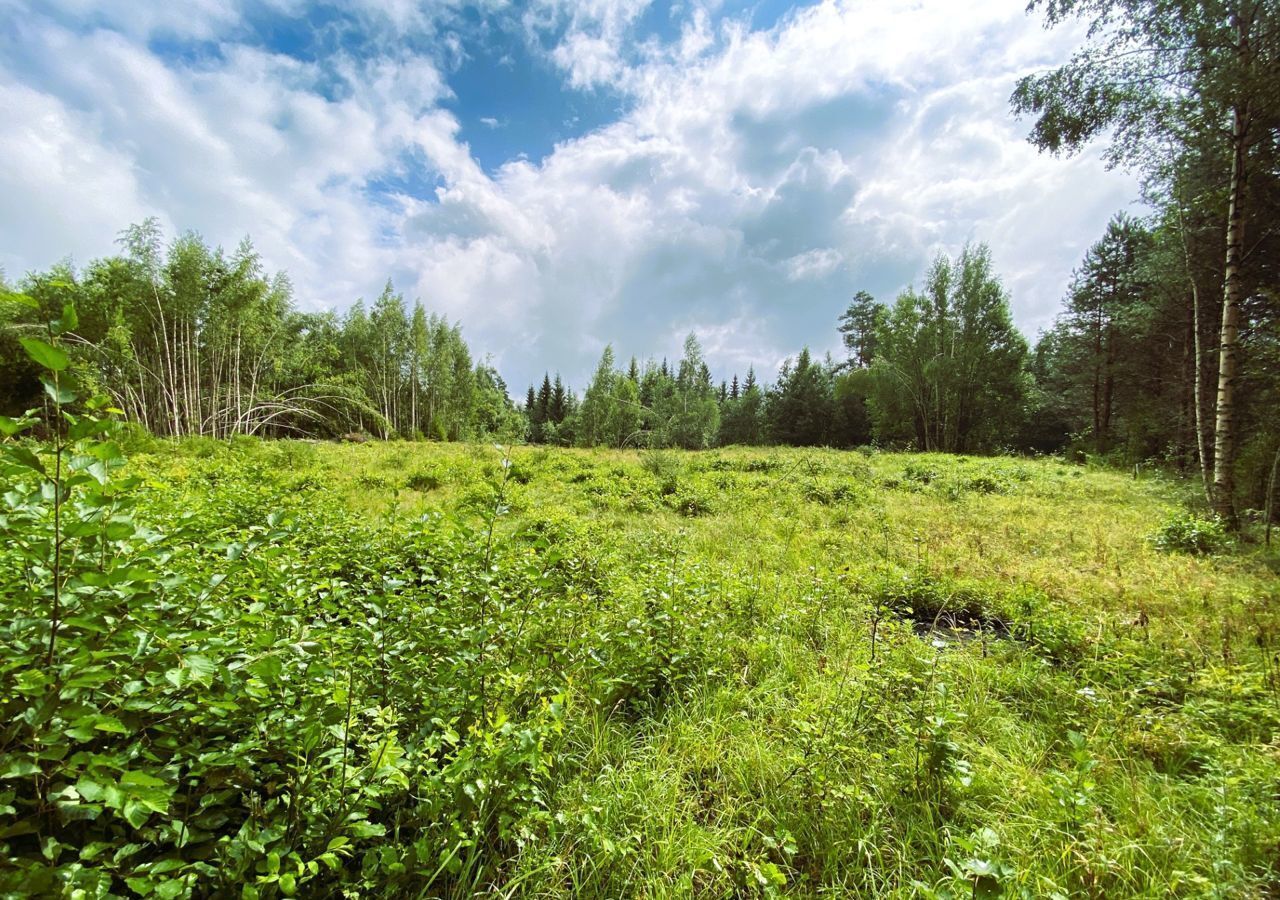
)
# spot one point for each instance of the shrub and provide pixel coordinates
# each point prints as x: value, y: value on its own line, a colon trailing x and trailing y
x: 767, y: 464
x: 689, y: 502
x: 984, y: 484
x: 665, y: 468
x: 423, y: 481
x: 1189, y: 533
x: 919, y: 473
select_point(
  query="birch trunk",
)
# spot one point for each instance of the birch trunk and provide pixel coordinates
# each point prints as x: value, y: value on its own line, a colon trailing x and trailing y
x: 1224, y: 449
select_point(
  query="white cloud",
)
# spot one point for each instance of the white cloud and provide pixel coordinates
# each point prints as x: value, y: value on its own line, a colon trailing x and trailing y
x: 140, y: 19
x: 813, y: 264
x: 63, y: 189
x: 592, y: 49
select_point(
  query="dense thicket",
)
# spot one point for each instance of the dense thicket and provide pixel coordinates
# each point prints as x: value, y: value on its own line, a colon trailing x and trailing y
x: 190, y: 340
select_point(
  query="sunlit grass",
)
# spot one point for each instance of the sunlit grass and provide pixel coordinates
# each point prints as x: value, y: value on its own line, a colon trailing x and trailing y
x: 1120, y: 741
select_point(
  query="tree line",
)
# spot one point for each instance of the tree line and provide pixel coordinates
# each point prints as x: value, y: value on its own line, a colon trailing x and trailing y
x: 942, y: 368
x: 1172, y: 328
x: 191, y: 340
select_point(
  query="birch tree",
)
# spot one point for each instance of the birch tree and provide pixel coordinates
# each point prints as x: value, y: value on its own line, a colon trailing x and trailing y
x: 1154, y: 72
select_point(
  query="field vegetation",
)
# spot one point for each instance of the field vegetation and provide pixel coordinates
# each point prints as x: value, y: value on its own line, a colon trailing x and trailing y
x: 256, y: 668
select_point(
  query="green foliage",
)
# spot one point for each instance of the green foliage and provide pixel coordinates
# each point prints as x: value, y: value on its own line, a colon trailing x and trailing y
x: 611, y: 413
x: 950, y: 373
x: 859, y: 329
x: 1093, y: 364
x: 1188, y: 95
x: 742, y: 416
x: 801, y: 405
x: 190, y: 340
x: 423, y: 481
x: 290, y: 668
x: 1189, y: 533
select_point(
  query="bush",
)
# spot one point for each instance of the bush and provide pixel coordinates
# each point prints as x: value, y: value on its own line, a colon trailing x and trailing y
x: 690, y: 503
x: 423, y: 481
x: 919, y: 473
x: 665, y: 468
x: 1189, y: 533
x: 985, y: 484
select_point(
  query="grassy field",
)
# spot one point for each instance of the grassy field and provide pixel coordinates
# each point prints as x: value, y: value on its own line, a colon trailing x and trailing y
x: 447, y: 670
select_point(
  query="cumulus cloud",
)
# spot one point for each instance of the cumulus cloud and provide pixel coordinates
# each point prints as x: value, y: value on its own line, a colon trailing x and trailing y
x: 813, y: 264
x: 755, y: 180
x: 63, y: 188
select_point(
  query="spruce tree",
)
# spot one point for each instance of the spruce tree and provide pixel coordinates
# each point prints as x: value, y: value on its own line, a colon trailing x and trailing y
x: 559, y: 406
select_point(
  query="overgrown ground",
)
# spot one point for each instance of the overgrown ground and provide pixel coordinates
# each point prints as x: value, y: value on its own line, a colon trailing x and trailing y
x: 397, y: 669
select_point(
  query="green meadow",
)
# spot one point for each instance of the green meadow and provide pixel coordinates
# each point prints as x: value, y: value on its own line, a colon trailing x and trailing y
x: 391, y: 669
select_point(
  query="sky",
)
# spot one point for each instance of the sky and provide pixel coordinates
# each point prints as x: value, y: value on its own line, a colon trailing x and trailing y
x: 554, y: 175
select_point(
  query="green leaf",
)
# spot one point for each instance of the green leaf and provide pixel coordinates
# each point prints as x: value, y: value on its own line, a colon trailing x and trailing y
x: 59, y: 393
x: 24, y: 457
x: 136, y: 779
x: 107, y: 451
x: 268, y: 668
x: 119, y: 531
x: 201, y: 668
x: 9, y: 427
x: 21, y: 827
x: 111, y: 725
x: 20, y: 299
x: 45, y: 355
x: 18, y: 768
x: 93, y: 850
x: 87, y: 427
x: 89, y: 789
x: 173, y: 887
x: 69, y: 321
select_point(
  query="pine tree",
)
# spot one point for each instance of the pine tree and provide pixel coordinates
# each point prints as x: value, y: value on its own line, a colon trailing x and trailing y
x: 800, y: 407
x: 558, y: 409
x: 859, y: 324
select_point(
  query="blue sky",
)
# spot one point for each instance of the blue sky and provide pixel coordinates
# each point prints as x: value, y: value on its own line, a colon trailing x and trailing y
x: 555, y: 175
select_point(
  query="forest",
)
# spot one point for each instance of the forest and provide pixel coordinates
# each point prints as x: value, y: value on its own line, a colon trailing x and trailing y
x: 316, y: 604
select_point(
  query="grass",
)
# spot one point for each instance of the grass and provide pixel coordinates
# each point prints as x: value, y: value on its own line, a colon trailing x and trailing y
x: 1120, y: 741
x: 746, y: 672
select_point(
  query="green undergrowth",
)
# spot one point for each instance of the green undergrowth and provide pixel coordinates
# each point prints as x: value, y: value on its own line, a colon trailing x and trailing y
x: 286, y: 668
